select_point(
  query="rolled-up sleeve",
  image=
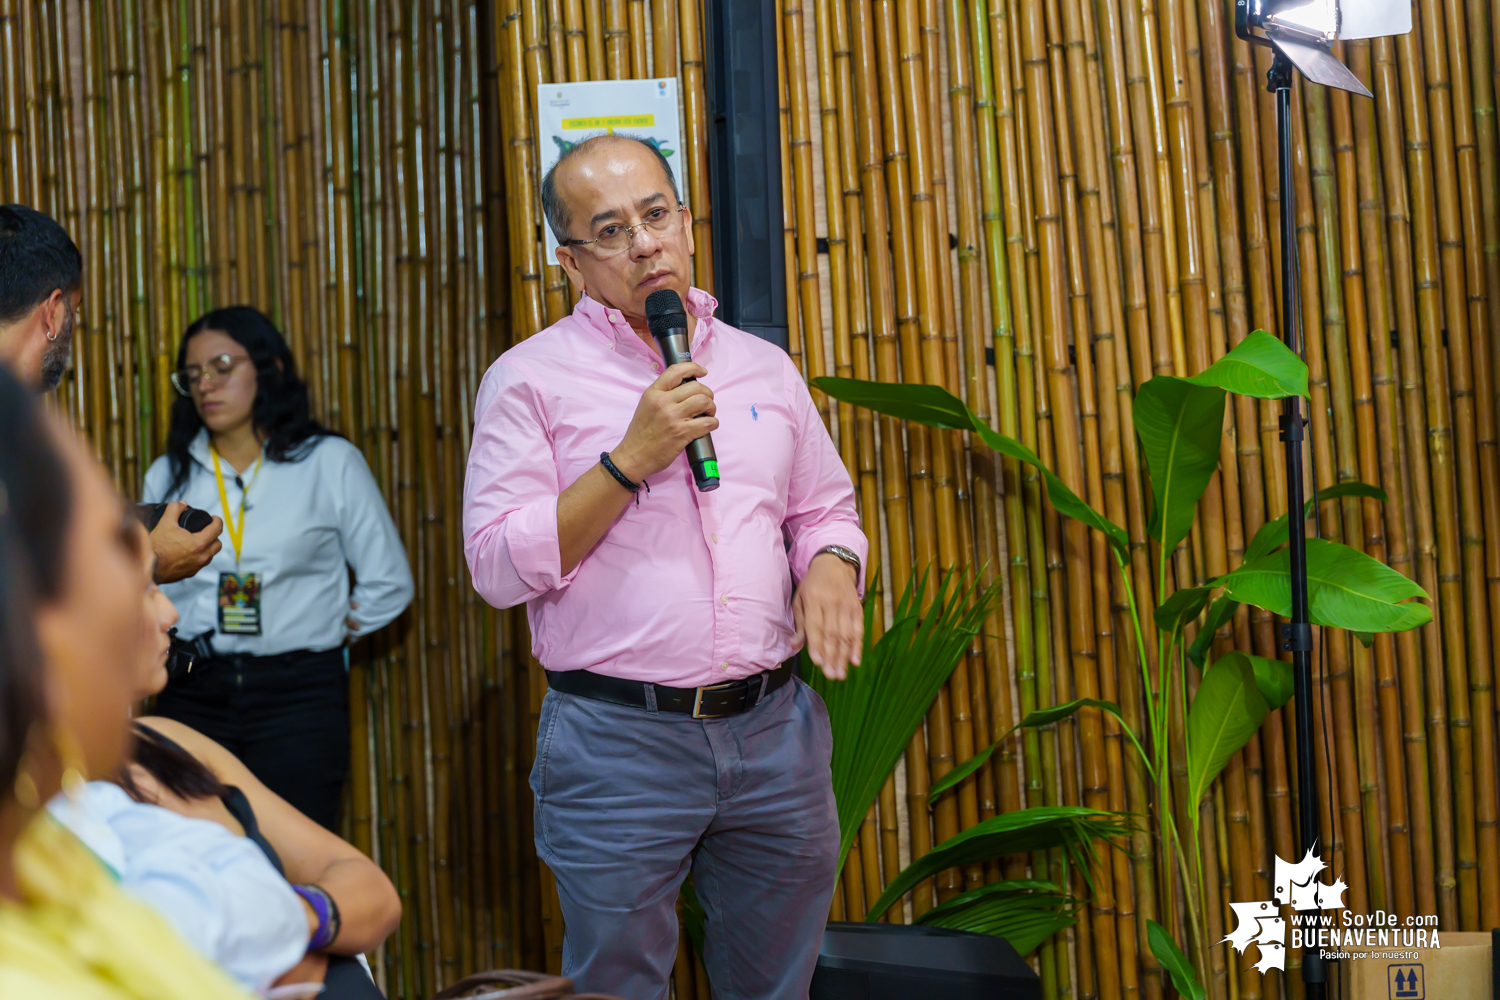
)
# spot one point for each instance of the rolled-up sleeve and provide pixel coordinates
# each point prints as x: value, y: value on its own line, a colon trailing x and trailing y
x: 510, y: 493
x: 820, y: 507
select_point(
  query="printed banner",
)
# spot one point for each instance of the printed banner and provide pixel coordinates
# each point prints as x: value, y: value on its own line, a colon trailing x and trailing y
x: 570, y: 112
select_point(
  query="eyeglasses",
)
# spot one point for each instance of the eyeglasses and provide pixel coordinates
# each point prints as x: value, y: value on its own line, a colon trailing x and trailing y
x: 184, y: 379
x: 614, y: 238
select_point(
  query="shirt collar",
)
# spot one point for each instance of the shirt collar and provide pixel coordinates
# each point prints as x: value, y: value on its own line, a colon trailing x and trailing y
x: 198, y: 448
x: 610, y: 325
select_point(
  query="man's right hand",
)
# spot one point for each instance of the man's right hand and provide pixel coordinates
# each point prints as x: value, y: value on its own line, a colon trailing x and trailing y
x: 671, y: 414
x: 179, y: 552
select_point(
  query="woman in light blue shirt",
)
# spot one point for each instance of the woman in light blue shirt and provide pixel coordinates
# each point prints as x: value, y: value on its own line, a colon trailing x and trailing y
x: 302, y: 515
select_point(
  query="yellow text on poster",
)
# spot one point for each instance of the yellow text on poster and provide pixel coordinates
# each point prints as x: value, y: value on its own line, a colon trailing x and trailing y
x: 610, y: 121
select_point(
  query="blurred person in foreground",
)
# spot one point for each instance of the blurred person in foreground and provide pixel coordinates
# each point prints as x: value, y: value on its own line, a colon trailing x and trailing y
x: 72, y: 635
x: 193, y: 848
x: 675, y: 733
x: 351, y: 905
x: 301, y: 511
x: 41, y: 293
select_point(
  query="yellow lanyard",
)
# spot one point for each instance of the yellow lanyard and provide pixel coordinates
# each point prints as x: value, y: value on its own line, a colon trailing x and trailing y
x: 235, y: 530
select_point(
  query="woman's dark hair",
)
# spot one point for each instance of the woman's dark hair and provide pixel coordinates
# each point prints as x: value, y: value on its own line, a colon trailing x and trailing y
x: 281, y: 411
x: 36, y: 501
x: 176, y: 770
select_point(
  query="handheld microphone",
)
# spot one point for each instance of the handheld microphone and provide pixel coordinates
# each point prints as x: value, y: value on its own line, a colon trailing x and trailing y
x: 668, y: 322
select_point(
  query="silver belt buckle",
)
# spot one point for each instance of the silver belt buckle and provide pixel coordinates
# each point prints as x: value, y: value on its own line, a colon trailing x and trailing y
x: 698, y: 699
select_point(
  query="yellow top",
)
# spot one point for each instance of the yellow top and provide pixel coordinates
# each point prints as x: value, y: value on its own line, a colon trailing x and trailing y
x: 78, y: 937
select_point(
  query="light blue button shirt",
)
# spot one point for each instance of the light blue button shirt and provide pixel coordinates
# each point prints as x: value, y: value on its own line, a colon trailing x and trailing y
x: 307, y: 524
x: 218, y: 891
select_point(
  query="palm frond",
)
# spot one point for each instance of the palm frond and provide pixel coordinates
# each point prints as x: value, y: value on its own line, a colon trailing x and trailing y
x: 1024, y: 912
x: 874, y: 712
x: 1071, y: 829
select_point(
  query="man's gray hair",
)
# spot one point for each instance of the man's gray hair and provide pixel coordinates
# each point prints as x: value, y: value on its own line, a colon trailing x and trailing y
x: 559, y: 218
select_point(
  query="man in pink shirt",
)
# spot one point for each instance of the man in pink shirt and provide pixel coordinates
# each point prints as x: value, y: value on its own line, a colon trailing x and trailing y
x: 673, y: 735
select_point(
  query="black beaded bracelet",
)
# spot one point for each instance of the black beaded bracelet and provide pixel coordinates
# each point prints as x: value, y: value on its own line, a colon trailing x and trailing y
x: 621, y: 478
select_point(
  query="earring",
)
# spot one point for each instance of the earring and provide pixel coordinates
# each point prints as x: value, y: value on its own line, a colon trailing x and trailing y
x: 69, y: 753
x: 51, y: 337
x: 24, y: 790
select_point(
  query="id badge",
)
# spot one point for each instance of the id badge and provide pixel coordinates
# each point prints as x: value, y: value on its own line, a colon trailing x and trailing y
x: 239, y: 603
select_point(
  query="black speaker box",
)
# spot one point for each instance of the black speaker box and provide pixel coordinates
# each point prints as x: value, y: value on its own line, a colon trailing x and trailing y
x: 898, y: 962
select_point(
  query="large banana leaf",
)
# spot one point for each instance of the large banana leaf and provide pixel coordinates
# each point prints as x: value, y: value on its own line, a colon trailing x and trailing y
x: 1072, y: 829
x: 1025, y: 912
x: 1182, y: 607
x: 1225, y: 713
x: 1273, y: 533
x: 1346, y: 589
x: 1273, y: 678
x: 937, y: 407
x: 874, y: 712
x: 1179, y: 424
x: 1219, y: 612
x: 1174, y: 961
x: 1260, y: 366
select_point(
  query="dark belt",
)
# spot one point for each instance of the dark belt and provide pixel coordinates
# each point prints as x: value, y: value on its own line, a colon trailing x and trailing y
x: 711, y: 701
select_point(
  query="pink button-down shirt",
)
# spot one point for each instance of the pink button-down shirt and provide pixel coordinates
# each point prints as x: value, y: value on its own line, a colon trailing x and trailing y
x: 685, y: 588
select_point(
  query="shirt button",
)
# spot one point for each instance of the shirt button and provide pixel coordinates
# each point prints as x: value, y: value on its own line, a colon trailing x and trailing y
x: 714, y: 537
x: 724, y: 665
x: 611, y: 345
x: 656, y: 368
x: 724, y: 599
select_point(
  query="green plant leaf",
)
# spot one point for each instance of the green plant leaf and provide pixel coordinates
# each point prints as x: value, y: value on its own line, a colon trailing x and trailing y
x: 874, y: 712
x: 1174, y: 961
x: 1273, y: 533
x: 1366, y: 639
x: 1071, y: 829
x: 1346, y: 589
x: 1179, y: 425
x: 1040, y: 717
x: 937, y: 407
x: 1181, y: 608
x: 1225, y: 713
x: 1260, y: 366
x: 1219, y: 612
x: 1024, y: 912
x: 924, y: 404
x: 693, y: 917
x: 1273, y: 678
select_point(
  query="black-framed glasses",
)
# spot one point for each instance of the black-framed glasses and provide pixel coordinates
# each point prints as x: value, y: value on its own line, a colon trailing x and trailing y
x: 183, y: 379
x: 615, y: 237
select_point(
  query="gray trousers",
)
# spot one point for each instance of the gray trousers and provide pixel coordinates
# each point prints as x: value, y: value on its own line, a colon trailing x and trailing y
x: 627, y: 801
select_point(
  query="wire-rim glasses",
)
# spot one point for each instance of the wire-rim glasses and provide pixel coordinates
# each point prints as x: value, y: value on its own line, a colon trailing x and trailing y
x: 614, y: 238
x: 183, y: 379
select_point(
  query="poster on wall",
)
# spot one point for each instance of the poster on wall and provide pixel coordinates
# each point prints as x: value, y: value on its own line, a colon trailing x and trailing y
x: 568, y: 113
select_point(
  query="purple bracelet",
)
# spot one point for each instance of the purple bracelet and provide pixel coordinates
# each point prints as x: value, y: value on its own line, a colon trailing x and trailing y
x: 327, y: 912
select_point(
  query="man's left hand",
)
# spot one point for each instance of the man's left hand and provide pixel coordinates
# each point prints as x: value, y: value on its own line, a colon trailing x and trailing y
x: 829, y: 620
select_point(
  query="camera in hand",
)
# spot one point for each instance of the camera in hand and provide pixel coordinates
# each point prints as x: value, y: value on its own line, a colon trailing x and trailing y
x: 192, y: 519
x: 185, y: 652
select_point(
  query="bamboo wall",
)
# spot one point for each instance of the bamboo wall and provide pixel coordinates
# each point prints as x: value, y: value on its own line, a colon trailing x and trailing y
x: 1037, y: 203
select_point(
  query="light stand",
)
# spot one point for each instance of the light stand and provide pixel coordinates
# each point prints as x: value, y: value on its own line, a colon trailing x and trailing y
x: 1301, y: 33
x: 1296, y: 634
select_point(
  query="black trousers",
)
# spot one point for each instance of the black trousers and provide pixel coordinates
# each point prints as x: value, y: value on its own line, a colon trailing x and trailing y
x: 286, y: 717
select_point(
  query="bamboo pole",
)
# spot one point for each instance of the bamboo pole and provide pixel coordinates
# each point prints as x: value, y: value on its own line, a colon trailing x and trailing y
x: 695, y: 138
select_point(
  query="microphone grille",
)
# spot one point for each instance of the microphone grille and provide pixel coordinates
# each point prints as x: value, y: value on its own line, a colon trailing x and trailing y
x: 664, y: 311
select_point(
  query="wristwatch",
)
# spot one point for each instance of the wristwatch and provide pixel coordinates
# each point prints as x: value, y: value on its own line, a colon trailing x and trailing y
x: 848, y: 555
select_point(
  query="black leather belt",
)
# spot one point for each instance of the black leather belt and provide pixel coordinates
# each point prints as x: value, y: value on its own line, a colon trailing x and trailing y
x: 711, y: 701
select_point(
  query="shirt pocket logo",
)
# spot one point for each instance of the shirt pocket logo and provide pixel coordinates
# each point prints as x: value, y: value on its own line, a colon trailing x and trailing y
x: 753, y: 414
